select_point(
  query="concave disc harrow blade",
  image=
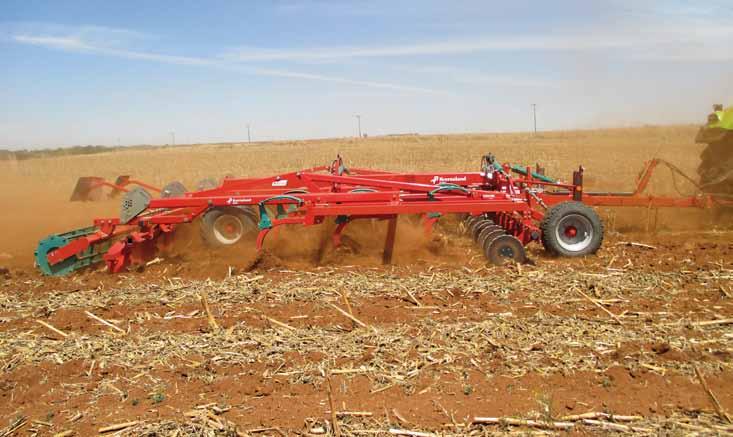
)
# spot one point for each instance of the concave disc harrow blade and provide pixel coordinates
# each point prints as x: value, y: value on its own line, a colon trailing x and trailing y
x: 480, y: 226
x: 504, y: 248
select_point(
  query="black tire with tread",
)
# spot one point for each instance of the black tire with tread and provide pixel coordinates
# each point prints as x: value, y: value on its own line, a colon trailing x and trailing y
x: 716, y: 163
x: 552, y: 219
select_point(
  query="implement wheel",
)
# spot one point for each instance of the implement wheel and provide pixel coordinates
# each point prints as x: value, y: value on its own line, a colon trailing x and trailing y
x: 226, y: 226
x: 571, y: 229
x: 504, y: 248
x: 716, y: 167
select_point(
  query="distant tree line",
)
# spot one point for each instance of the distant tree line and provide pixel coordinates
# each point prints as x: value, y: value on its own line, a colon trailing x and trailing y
x: 61, y: 151
x: 23, y: 154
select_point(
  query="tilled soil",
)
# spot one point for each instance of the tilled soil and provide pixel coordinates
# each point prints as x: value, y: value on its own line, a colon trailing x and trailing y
x: 430, y: 346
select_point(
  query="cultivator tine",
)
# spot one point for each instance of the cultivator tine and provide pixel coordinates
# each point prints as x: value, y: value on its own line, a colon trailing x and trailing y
x: 324, y: 238
x: 389, y: 240
x: 341, y: 222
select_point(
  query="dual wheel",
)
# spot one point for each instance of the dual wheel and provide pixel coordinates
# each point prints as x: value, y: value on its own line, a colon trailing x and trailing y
x: 571, y: 229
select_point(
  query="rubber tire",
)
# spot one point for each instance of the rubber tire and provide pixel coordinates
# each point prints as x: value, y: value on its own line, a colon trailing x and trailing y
x: 245, y: 215
x: 493, y: 250
x: 552, y: 220
x: 716, y: 161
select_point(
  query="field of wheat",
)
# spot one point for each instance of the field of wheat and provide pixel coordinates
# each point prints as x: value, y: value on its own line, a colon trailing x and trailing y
x: 635, y: 339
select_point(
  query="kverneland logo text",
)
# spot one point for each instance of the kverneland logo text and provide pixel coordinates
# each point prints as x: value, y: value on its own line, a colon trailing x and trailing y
x: 441, y: 179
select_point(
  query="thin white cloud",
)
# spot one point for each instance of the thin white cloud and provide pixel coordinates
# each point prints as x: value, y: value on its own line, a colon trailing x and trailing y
x: 458, y: 47
x: 296, y: 75
x: 664, y: 36
x: 676, y: 39
x: 477, y: 77
x: 75, y: 43
x: 55, y: 42
x: 340, y: 8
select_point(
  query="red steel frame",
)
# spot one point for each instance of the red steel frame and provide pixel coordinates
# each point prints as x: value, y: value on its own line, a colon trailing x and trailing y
x: 315, y: 194
x: 122, y: 182
x: 120, y: 185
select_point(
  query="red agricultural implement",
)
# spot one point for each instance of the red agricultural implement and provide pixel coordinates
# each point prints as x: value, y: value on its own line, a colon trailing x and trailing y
x: 506, y: 207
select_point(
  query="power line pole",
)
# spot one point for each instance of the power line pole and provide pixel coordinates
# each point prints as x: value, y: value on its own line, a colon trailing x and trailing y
x: 173, y: 138
x: 358, y: 121
x: 249, y: 137
x: 534, y: 116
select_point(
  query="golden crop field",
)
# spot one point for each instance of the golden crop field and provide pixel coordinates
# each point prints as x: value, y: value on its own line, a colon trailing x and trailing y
x: 620, y: 151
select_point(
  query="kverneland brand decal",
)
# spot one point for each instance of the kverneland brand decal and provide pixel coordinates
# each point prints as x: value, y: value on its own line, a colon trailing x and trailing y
x: 441, y: 179
x: 233, y: 201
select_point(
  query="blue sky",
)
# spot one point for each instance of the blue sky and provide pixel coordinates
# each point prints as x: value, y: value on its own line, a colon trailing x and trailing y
x: 90, y: 72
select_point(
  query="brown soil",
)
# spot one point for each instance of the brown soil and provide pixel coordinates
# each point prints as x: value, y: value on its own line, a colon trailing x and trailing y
x: 646, y: 372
